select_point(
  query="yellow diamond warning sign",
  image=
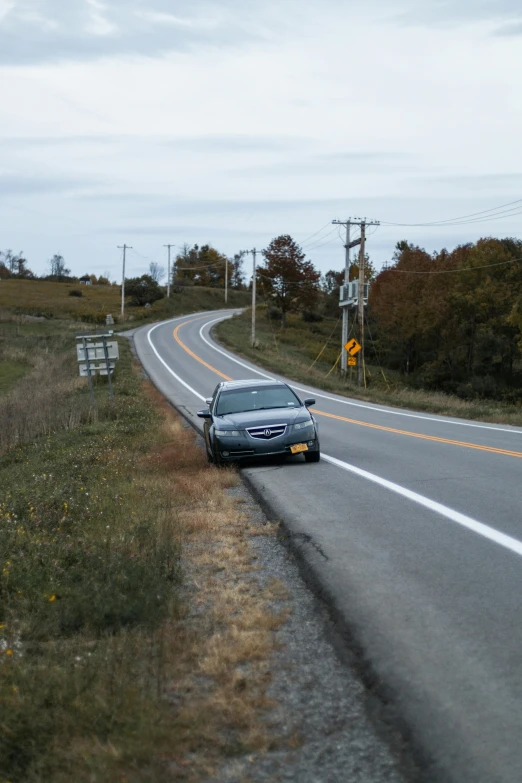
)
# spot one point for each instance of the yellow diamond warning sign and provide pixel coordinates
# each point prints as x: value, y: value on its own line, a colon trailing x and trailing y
x: 352, y: 346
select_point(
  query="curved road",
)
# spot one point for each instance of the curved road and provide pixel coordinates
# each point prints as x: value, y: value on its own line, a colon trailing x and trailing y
x: 412, y: 526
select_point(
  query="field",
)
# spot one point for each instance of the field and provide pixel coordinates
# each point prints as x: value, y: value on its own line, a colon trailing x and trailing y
x: 308, y: 352
x: 113, y: 665
x: 53, y: 300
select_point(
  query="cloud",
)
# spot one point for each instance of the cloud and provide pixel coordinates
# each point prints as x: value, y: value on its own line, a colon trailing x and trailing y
x: 26, y: 185
x: 510, y: 29
x: 449, y: 12
x: 99, y: 23
x: 476, y: 182
x: 52, y: 31
x: 159, y: 18
x: 6, y: 6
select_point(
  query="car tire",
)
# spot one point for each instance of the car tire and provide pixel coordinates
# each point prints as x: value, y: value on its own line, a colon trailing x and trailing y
x: 312, y: 456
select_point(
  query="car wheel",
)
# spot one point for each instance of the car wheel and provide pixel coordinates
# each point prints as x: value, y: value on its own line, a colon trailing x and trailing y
x: 312, y: 456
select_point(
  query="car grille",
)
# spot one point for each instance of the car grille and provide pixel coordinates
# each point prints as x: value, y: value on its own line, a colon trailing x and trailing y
x: 267, y: 432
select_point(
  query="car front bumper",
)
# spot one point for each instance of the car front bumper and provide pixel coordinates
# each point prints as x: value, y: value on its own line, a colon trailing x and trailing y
x: 246, y: 448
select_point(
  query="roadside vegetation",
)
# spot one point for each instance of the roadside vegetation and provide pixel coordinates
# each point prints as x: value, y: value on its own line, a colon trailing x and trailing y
x: 46, y: 299
x: 134, y: 636
x: 307, y: 350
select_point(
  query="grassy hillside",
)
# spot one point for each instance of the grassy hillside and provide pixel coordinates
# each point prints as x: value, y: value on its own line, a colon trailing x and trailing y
x: 53, y: 300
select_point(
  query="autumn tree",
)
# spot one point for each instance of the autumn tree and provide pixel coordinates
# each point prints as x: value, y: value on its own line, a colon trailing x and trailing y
x: 200, y: 265
x: 287, y: 278
x: 452, y: 320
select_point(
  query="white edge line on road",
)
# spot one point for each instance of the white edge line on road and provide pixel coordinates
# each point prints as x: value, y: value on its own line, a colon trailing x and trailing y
x: 490, y: 533
x: 164, y: 363
x: 480, y: 528
x: 440, y: 420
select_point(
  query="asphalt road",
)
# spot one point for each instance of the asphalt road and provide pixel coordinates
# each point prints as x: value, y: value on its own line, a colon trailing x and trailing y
x: 411, y: 525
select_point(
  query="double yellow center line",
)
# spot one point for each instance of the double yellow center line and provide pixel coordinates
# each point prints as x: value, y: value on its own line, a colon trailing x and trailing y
x: 463, y: 444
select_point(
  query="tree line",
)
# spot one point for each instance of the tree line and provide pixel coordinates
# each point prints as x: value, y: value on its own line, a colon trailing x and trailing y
x: 14, y: 265
x: 452, y: 320
x: 448, y: 320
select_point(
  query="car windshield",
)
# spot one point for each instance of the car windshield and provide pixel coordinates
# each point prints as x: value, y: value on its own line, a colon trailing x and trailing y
x: 262, y: 398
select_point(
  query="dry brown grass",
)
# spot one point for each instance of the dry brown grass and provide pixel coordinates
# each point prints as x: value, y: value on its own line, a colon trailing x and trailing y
x: 185, y: 687
x: 226, y: 637
x: 52, y: 300
x: 43, y: 400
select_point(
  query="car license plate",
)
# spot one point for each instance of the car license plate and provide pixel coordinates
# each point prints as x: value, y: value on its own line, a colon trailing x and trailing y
x: 298, y: 447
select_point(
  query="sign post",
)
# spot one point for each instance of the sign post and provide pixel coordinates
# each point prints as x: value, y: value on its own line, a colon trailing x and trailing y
x: 91, y: 390
x: 108, y: 366
x: 96, y: 355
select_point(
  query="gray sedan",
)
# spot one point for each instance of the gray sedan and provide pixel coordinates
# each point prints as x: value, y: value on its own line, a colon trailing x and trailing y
x: 248, y: 419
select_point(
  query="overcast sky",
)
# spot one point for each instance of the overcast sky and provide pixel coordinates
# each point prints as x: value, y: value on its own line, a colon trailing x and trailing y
x: 227, y: 122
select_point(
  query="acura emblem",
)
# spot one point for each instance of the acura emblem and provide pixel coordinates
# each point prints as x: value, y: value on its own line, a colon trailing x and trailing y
x: 268, y: 433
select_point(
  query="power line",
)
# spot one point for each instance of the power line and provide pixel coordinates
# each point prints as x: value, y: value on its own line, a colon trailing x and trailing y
x: 206, y: 266
x: 450, y: 271
x: 307, y: 239
x: 309, y: 245
x: 486, y: 213
x: 315, y: 246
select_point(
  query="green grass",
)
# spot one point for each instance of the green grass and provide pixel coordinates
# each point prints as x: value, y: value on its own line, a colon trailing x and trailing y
x: 11, y: 373
x: 89, y: 574
x: 43, y: 299
x: 293, y: 352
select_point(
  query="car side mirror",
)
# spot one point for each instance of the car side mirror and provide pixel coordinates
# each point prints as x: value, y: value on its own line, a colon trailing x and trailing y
x: 204, y: 414
x: 309, y: 401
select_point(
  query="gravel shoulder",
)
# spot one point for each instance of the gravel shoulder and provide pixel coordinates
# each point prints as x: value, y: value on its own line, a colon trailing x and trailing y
x: 330, y: 722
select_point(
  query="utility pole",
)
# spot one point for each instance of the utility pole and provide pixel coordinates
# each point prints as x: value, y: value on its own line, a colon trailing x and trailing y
x: 226, y: 279
x: 348, y: 246
x: 362, y: 223
x: 360, y: 306
x: 124, y: 248
x: 168, y: 268
x: 254, y: 253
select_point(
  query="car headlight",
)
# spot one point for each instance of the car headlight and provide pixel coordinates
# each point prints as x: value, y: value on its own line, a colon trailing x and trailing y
x: 227, y: 433
x: 303, y: 424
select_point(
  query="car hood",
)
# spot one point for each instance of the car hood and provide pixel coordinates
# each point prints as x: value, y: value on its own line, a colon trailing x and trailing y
x: 241, y: 421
